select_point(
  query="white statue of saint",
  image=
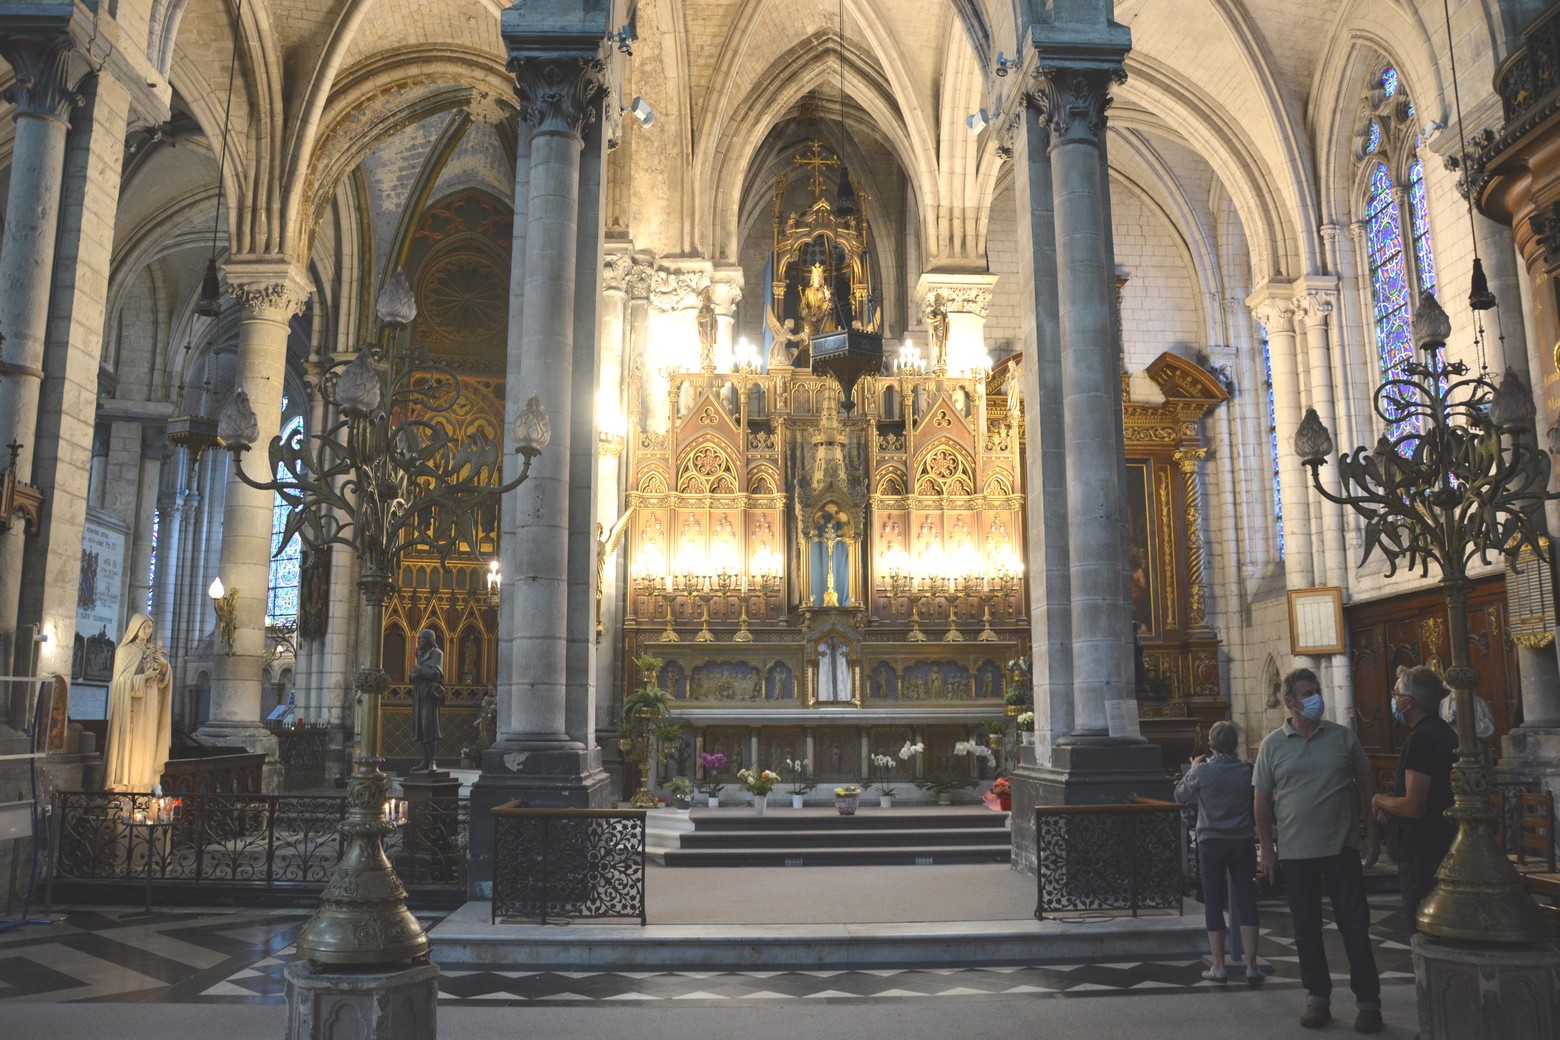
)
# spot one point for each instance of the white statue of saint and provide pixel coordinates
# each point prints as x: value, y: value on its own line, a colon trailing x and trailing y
x: 140, y: 712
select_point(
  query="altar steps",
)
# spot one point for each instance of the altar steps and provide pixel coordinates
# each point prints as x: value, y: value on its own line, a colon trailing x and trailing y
x: 823, y: 838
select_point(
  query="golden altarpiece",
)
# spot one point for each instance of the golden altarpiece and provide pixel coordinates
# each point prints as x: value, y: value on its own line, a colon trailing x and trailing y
x: 825, y: 584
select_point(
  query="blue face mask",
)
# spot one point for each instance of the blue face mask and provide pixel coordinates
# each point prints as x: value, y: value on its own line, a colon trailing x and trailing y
x: 1312, y: 707
x: 1397, y: 713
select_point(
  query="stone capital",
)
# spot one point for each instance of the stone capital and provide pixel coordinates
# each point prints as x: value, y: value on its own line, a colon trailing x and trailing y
x: 726, y: 286
x: 678, y: 288
x: 615, y: 271
x: 961, y: 293
x: 640, y: 277
x: 1075, y: 100
x: 49, y: 69
x: 1314, y: 306
x: 1330, y: 233
x: 267, y: 289
x: 1277, y: 315
x: 559, y: 93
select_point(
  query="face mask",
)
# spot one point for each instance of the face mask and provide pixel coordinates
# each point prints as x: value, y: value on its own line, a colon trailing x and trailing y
x: 1397, y: 713
x: 1312, y: 707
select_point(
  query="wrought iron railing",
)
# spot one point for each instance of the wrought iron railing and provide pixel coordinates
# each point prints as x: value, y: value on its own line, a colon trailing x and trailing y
x: 284, y: 845
x: 1109, y: 857
x: 553, y: 864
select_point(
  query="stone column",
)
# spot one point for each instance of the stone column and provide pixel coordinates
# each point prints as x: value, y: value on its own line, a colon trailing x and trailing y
x: 725, y: 293
x: 164, y: 591
x: 544, y: 663
x: 154, y: 442
x: 67, y: 398
x: 1104, y: 701
x: 965, y: 298
x: 1045, y: 472
x: 1314, y: 307
x: 49, y: 69
x: 270, y: 293
x: 640, y: 400
x: 612, y: 422
x: 1294, y: 491
x: 559, y: 93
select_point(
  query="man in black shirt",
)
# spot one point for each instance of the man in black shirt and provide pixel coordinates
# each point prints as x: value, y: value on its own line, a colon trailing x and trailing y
x: 1418, y: 834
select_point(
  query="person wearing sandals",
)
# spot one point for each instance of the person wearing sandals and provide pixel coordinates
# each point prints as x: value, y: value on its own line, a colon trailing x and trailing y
x: 1220, y: 786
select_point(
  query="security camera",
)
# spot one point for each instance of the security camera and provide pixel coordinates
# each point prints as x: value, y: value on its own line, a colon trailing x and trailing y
x: 640, y: 109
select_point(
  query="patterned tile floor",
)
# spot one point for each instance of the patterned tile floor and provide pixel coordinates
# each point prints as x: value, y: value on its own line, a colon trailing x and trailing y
x: 238, y: 956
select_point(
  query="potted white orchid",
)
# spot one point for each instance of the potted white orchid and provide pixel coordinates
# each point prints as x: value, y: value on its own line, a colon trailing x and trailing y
x: 801, y: 785
x: 884, y: 766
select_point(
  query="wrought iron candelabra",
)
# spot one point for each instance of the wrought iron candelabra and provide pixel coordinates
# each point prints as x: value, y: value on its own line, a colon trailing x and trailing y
x: 1459, y: 479
x: 383, y: 479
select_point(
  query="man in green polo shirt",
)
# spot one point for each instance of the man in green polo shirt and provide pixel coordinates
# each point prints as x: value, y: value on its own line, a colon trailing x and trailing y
x: 1314, y: 783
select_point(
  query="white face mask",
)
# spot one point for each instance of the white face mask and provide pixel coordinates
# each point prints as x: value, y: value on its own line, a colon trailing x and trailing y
x: 1312, y: 707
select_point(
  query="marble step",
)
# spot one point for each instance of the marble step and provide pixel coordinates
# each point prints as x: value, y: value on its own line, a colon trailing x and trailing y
x: 835, y: 856
x: 820, y: 838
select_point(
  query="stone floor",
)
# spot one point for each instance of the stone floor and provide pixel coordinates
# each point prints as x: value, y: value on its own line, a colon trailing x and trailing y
x: 200, y: 965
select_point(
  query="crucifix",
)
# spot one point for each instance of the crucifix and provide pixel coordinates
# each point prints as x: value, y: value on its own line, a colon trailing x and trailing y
x: 831, y: 537
x: 816, y: 161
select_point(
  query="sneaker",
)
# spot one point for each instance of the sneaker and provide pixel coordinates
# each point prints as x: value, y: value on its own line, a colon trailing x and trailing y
x: 1368, y: 1021
x: 1315, y: 1017
x: 1254, y: 977
x: 1216, y: 975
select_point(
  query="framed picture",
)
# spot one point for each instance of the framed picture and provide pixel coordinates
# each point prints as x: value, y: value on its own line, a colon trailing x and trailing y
x: 1316, y: 620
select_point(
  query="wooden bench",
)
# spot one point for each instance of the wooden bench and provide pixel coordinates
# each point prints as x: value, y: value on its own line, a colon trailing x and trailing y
x: 1535, y: 848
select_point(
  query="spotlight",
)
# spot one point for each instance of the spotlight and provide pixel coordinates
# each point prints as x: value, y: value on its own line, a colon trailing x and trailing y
x: 1005, y: 64
x: 640, y: 109
x: 977, y: 122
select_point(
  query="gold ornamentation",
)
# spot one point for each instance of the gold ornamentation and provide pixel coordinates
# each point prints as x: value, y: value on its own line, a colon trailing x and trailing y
x: 1432, y: 631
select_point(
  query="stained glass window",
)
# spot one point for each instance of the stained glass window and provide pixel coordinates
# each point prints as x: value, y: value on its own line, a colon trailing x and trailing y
x: 281, y: 606
x: 1389, y: 81
x: 1375, y: 138
x: 1388, y: 277
x: 1419, y: 218
x: 1267, y: 381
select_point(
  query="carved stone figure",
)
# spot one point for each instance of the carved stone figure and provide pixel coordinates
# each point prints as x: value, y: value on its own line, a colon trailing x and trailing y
x: 140, y: 716
x: 427, y: 696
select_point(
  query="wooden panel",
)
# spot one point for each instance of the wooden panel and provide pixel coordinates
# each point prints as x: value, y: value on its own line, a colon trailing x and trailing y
x: 1411, y: 630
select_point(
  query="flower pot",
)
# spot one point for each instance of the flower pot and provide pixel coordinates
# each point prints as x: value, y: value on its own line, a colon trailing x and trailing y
x: 1029, y: 737
x: 796, y: 801
x: 1005, y: 802
x: 945, y: 798
x: 681, y: 802
x: 846, y: 804
x: 760, y: 802
x: 885, y: 801
x: 714, y: 802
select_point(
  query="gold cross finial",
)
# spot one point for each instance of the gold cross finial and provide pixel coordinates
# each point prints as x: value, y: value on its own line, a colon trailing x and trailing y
x: 816, y: 160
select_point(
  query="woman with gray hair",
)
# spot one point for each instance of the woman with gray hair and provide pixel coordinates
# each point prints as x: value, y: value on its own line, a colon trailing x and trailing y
x: 1220, y: 787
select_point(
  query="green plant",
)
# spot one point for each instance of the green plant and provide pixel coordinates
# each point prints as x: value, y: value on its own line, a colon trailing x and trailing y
x: 680, y: 786
x: 943, y: 783
x: 653, y: 697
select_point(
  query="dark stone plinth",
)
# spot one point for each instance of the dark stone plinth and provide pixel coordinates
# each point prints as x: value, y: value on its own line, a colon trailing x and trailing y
x: 1082, y: 774
x: 547, y: 777
x: 1484, y: 993
x: 389, y: 1005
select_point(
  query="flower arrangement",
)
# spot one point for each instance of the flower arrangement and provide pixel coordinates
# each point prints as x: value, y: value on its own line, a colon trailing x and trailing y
x: 1025, y: 720
x: 886, y: 764
x: 848, y: 791
x: 713, y: 764
x: 1002, y: 787
x: 969, y: 747
x: 758, y: 783
x: 798, y: 769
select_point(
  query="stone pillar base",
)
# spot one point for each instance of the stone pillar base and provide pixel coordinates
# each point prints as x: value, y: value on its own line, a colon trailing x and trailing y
x: 1479, y: 993
x: 544, y: 777
x: 390, y: 1005
x: 254, y: 738
x: 1082, y: 774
